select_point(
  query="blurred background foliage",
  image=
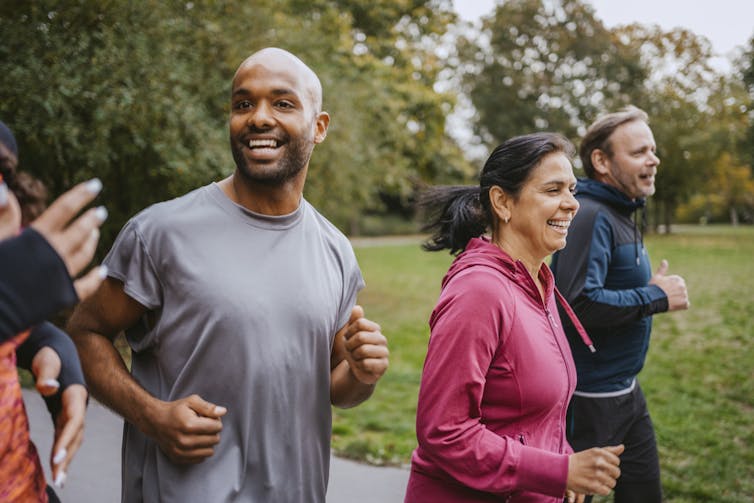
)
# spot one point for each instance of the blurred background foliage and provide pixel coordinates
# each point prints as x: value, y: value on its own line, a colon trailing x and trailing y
x: 137, y: 93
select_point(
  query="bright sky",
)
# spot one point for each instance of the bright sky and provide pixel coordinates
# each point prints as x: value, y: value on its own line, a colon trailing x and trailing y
x: 726, y: 23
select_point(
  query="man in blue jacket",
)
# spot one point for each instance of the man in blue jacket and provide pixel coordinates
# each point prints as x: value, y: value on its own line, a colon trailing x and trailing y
x: 605, y: 274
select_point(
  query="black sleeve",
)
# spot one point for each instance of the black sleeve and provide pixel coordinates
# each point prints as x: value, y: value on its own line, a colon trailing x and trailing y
x: 47, y: 334
x: 34, y: 283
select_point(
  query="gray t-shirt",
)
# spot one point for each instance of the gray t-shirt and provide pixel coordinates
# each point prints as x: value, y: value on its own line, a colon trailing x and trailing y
x: 245, y: 310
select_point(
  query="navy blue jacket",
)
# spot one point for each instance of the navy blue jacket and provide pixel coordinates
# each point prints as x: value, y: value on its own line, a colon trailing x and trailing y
x: 603, y: 273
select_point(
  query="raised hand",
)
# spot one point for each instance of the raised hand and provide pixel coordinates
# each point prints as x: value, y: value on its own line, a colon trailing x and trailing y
x: 366, y: 348
x: 674, y: 287
x: 75, y: 242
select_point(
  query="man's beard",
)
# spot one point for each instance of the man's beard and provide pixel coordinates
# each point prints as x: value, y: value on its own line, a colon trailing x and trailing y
x: 294, y: 159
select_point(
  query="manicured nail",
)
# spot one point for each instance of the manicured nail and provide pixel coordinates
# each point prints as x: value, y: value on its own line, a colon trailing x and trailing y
x: 220, y: 410
x: 3, y: 195
x: 60, y: 456
x: 101, y: 213
x: 102, y: 271
x: 94, y: 185
x: 60, y: 480
x: 50, y: 383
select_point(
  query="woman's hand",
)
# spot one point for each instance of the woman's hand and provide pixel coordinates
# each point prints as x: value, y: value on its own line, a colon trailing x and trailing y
x: 76, y: 241
x: 594, y: 471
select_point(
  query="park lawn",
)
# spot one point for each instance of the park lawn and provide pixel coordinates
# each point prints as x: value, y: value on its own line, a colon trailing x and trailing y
x: 699, y: 377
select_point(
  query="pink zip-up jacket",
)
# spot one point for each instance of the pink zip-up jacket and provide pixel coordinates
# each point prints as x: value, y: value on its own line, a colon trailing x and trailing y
x: 495, y: 387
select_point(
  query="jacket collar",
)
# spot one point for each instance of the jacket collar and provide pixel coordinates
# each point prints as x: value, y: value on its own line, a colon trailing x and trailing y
x: 608, y: 194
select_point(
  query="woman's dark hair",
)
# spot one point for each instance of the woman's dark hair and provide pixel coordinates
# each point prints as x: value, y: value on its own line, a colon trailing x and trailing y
x: 30, y: 192
x: 455, y: 214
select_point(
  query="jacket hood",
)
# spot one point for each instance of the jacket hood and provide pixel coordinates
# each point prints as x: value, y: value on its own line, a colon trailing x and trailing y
x: 479, y: 251
x: 608, y: 194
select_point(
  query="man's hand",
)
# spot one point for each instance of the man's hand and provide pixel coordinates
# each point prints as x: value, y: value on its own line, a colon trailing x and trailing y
x: 69, y: 431
x: 187, y: 429
x: 593, y: 471
x: 674, y: 287
x: 366, y: 348
x: 77, y: 242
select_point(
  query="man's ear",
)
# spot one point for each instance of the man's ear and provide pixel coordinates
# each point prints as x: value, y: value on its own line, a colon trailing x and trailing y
x: 320, y: 127
x: 500, y: 202
x: 600, y: 161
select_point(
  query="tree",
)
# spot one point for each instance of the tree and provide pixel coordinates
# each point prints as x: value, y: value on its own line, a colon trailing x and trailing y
x: 388, y: 134
x: 546, y: 65
x: 727, y: 190
x: 676, y: 95
x: 733, y: 185
x: 108, y: 89
x: 137, y: 93
x: 747, y: 70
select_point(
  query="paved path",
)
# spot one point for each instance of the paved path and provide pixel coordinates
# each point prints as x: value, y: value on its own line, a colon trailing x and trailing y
x: 94, y: 475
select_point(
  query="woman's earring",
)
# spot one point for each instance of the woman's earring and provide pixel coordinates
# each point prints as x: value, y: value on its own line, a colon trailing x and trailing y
x: 506, y: 219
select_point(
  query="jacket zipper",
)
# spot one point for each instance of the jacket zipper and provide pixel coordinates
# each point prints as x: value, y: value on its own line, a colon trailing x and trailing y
x: 551, y: 319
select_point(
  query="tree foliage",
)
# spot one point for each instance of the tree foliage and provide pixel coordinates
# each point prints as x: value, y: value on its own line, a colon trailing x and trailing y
x: 546, y: 66
x: 553, y: 65
x: 676, y: 96
x: 137, y: 93
x: 747, y: 70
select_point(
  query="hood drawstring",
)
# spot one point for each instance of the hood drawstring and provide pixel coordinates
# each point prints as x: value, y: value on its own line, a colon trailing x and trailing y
x: 576, y: 323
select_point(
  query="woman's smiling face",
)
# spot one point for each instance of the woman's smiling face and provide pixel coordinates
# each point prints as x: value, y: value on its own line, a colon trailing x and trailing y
x: 543, y: 210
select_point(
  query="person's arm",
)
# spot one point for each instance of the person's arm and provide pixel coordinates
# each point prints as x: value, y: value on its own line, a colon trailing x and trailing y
x: 359, y: 359
x: 51, y: 357
x: 37, y: 267
x: 584, y: 265
x: 35, y: 283
x: 186, y: 429
x: 54, y: 371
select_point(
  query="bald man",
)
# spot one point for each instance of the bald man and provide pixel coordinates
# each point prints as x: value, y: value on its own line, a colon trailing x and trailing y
x: 237, y: 301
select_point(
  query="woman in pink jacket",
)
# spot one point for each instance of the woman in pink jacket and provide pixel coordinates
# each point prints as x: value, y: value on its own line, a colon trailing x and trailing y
x: 499, y: 374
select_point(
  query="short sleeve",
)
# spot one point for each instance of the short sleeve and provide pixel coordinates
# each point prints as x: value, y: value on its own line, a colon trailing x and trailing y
x: 353, y: 282
x: 129, y: 261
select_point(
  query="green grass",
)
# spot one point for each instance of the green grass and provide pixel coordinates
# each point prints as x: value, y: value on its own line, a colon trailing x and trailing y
x: 699, y: 376
x: 403, y: 283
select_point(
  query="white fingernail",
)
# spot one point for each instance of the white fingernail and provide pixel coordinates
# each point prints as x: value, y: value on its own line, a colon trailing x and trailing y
x: 60, y: 480
x: 51, y: 383
x: 94, y: 185
x: 60, y: 456
x: 102, y: 271
x: 3, y: 195
x: 101, y: 213
x: 220, y: 410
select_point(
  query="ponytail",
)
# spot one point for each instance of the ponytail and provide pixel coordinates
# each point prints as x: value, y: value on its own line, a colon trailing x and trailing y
x: 456, y: 213
x: 454, y: 216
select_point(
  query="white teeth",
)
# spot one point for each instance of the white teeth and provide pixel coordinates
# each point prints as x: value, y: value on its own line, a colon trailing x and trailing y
x: 263, y: 143
x: 563, y: 224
